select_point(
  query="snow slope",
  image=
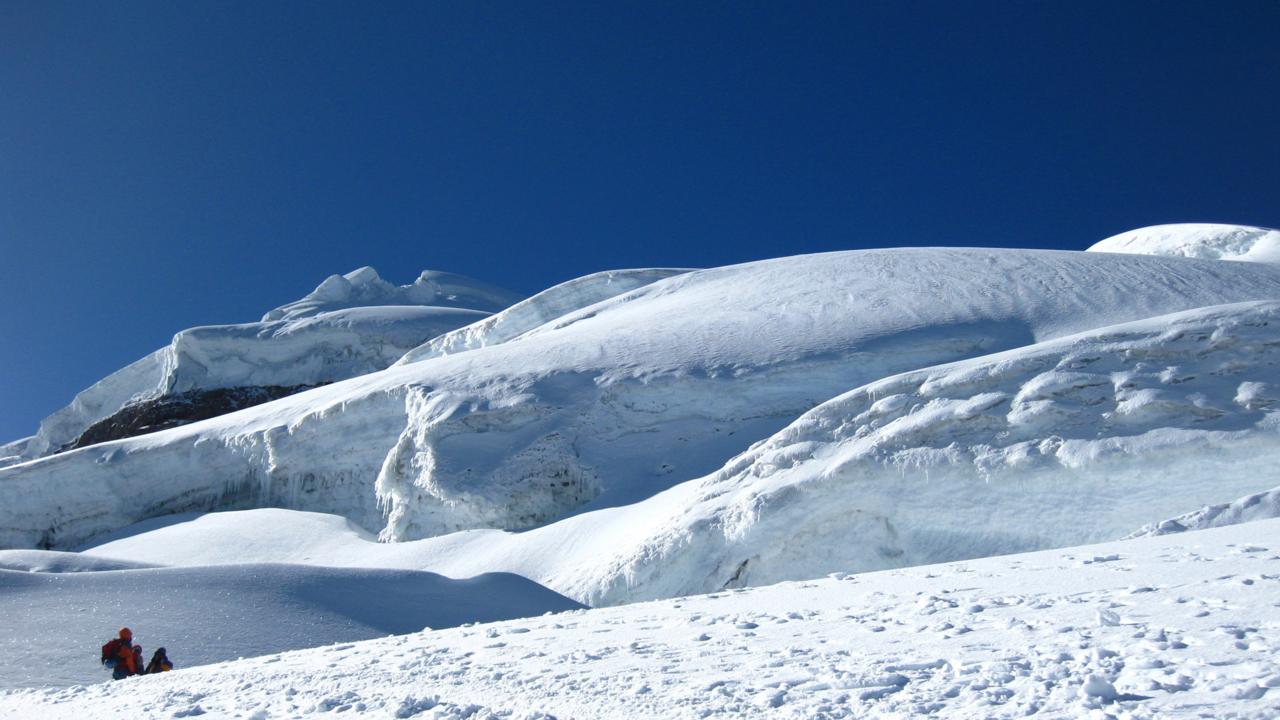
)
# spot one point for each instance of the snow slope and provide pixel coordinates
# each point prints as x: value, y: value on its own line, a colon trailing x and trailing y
x: 1198, y: 240
x: 55, y: 622
x: 1179, y: 626
x: 349, y: 326
x: 610, y: 404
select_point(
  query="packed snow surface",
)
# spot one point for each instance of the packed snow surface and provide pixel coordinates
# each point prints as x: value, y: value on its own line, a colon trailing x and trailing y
x: 610, y: 404
x: 1198, y: 240
x: 1178, y: 626
x: 349, y: 326
x: 55, y: 621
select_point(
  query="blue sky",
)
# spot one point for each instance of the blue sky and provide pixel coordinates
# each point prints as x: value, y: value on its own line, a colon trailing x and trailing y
x: 164, y: 165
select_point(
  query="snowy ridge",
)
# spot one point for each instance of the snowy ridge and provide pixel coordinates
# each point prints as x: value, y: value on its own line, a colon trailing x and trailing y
x: 1210, y: 241
x: 538, y: 310
x: 1256, y: 506
x: 610, y: 404
x: 364, y: 288
x: 322, y: 338
x: 1165, y: 627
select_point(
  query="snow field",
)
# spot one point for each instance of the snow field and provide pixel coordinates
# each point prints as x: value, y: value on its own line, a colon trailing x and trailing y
x: 1163, y: 627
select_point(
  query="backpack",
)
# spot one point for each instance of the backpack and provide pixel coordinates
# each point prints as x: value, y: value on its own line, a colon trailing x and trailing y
x: 111, y: 653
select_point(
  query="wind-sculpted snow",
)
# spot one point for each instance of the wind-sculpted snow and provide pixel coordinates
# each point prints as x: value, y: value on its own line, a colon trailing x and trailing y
x: 1061, y: 443
x: 1198, y: 240
x: 364, y: 288
x: 1250, y: 508
x: 324, y: 337
x: 538, y: 310
x: 610, y: 404
x: 1180, y: 626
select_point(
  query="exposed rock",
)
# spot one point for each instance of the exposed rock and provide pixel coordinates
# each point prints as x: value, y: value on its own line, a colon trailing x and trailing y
x: 170, y: 411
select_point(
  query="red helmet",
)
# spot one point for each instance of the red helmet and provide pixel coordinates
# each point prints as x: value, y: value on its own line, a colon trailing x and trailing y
x: 126, y: 634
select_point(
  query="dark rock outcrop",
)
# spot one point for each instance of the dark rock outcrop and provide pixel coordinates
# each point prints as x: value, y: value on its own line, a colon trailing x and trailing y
x: 170, y: 411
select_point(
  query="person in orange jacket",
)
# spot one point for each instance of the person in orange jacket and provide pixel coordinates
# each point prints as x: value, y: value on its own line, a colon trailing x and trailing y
x: 118, y: 655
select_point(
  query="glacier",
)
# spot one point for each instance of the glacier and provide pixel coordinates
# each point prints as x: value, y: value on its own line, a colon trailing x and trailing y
x: 698, y: 449
x: 609, y: 404
x: 1074, y: 440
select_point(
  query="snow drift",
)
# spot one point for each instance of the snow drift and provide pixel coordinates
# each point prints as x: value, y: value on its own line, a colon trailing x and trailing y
x: 609, y: 404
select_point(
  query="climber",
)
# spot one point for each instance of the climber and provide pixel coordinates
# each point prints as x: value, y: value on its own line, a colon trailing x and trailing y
x: 117, y: 655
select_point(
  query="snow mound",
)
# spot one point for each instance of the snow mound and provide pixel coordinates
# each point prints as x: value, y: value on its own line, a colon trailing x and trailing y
x: 1256, y: 506
x: 1209, y: 241
x: 610, y: 404
x: 363, y: 287
x: 538, y: 310
x: 207, y: 615
x: 310, y: 342
x: 1164, y: 627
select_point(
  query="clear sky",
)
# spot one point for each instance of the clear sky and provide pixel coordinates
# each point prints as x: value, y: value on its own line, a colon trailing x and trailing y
x: 169, y: 164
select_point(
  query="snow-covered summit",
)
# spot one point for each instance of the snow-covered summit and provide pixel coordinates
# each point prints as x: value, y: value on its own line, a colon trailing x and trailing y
x: 1210, y: 241
x: 351, y: 325
x: 364, y: 287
